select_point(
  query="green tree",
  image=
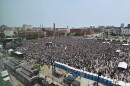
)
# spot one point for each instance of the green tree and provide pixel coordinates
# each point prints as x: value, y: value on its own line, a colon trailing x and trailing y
x: 61, y: 34
x: 7, y: 36
x: 114, y: 40
x: 112, y: 34
x: 35, y: 36
x: 118, y: 41
x: 2, y: 35
x: 68, y: 34
x: 108, y: 40
x: 78, y: 34
x: 125, y: 41
x: 32, y: 36
x: 29, y: 37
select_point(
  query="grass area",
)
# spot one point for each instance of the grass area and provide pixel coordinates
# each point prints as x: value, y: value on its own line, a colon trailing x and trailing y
x: 43, y: 67
x: 39, y: 67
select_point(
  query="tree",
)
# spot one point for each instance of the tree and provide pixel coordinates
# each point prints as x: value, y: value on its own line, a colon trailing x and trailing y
x: 29, y: 37
x: 125, y: 41
x: 78, y: 34
x: 108, y: 40
x: 113, y: 34
x: 68, y: 34
x: 35, y: 36
x: 61, y: 34
x: 114, y: 40
x: 118, y: 41
x: 7, y: 36
x: 2, y: 35
x: 32, y: 36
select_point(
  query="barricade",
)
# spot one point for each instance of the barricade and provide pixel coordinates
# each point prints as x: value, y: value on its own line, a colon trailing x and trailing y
x: 76, y: 72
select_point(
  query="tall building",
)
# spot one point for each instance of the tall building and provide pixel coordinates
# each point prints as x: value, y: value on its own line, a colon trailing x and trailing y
x: 128, y: 26
x: 54, y: 30
x: 122, y: 25
x: 26, y: 27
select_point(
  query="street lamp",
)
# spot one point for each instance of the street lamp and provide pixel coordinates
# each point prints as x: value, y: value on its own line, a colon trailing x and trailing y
x: 99, y: 74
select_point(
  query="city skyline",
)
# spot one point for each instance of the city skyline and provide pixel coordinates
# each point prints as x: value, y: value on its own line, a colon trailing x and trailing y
x: 63, y: 13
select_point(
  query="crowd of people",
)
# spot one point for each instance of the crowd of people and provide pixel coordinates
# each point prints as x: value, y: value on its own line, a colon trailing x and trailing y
x: 87, y: 54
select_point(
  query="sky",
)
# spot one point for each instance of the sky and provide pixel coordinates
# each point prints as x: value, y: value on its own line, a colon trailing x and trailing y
x: 72, y: 13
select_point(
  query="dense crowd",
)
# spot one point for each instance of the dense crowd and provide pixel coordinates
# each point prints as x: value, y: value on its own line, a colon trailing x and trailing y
x: 87, y: 54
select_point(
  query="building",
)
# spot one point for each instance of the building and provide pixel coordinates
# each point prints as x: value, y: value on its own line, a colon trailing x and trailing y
x: 112, y: 30
x: 26, y: 74
x: 9, y: 33
x: 49, y: 33
x: 87, y: 31
x: 76, y: 30
x: 84, y: 31
x: 4, y: 27
x: 122, y: 25
x: 125, y: 31
x: 128, y: 26
x: 26, y: 27
x: 61, y: 32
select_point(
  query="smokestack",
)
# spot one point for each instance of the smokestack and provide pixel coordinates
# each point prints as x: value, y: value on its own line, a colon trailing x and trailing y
x: 54, y: 26
x: 42, y: 25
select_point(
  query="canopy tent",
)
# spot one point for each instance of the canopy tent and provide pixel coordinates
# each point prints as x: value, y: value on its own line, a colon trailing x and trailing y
x: 4, y: 73
x: 17, y: 52
x: 10, y: 50
x: 122, y: 65
x: 6, y: 78
x: 121, y: 83
x: 125, y: 44
x: 127, y: 84
x: 48, y: 44
x: 106, y: 42
x: 118, y: 51
x: 0, y: 46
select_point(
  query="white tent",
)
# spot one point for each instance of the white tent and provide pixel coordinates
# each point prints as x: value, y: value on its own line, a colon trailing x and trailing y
x: 127, y: 84
x: 6, y: 78
x: 50, y: 42
x: 17, y: 52
x: 0, y: 46
x: 121, y: 83
x: 118, y: 50
x: 125, y: 44
x: 122, y: 65
x: 10, y: 50
x: 4, y: 73
x: 106, y: 42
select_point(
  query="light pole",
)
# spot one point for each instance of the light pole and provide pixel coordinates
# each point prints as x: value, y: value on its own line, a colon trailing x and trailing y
x: 99, y: 74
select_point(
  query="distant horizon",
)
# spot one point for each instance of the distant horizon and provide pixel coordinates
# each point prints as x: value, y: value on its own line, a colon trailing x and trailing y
x: 125, y: 25
x: 77, y: 13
